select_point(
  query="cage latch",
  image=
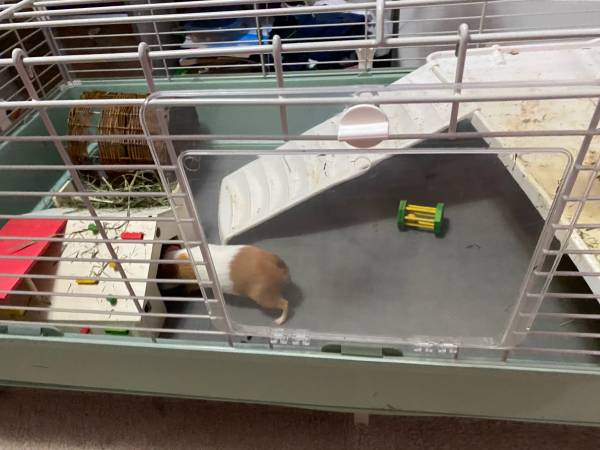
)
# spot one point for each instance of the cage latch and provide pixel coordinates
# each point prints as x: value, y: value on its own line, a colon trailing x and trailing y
x: 294, y: 337
x: 449, y: 348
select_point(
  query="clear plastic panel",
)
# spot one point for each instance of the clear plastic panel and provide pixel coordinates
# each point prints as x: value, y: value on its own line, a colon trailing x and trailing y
x: 355, y: 274
x: 330, y: 211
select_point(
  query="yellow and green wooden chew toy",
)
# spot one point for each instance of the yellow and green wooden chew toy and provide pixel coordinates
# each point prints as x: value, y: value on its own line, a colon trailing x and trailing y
x: 428, y: 218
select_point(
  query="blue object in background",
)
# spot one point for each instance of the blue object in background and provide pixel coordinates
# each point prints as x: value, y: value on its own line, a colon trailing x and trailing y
x: 234, y: 32
x: 301, y: 28
x: 307, y: 27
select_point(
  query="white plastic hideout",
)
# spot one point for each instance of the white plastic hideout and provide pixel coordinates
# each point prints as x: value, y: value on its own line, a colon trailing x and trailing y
x: 271, y: 185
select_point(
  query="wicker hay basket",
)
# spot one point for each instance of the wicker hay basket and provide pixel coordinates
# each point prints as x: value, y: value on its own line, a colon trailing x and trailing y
x: 113, y: 120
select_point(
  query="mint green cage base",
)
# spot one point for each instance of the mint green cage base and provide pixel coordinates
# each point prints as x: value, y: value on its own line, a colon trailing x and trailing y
x: 282, y: 375
x: 388, y: 385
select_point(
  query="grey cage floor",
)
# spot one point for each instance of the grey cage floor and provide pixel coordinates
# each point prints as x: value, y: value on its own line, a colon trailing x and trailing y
x: 354, y: 273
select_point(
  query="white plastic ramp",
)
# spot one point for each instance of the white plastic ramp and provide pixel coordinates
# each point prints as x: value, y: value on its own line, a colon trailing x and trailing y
x: 273, y: 184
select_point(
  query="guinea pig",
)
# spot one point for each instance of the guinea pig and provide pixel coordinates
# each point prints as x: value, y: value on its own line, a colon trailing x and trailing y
x: 241, y: 270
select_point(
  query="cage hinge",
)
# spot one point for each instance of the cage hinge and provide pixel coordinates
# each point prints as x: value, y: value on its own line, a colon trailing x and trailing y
x: 361, y: 350
x: 370, y: 351
x: 29, y: 330
x: 293, y: 337
x: 450, y: 348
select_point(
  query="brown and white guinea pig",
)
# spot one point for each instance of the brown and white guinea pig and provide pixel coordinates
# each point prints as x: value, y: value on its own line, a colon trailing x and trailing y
x: 241, y: 269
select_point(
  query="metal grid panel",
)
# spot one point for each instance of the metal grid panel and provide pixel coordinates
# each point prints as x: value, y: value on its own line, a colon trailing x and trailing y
x: 89, y: 28
x: 36, y: 42
x: 55, y: 41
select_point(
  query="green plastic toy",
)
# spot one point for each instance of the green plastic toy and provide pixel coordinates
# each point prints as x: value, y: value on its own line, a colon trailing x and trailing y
x: 428, y: 218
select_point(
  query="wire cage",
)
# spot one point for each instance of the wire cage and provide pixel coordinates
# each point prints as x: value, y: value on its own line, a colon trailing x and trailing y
x: 242, y: 113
